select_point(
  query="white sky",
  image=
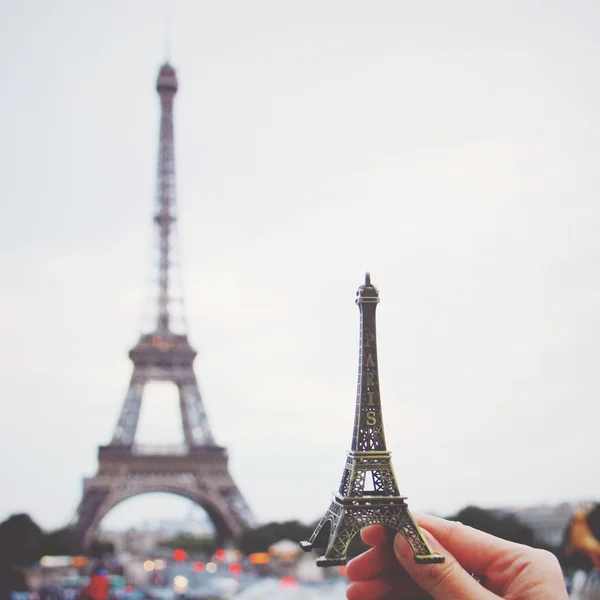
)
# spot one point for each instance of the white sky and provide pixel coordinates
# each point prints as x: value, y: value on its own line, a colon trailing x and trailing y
x: 451, y: 148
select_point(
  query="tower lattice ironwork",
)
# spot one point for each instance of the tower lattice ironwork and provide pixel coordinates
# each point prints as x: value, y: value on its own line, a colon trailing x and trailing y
x: 368, y: 492
x: 199, y: 469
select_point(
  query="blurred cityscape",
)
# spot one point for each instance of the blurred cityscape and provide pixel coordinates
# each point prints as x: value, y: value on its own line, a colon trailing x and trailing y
x: 178, y: 559
x: 225, y: 553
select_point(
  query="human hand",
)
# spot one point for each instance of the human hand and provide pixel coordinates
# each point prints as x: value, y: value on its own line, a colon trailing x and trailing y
x: 510, y: 571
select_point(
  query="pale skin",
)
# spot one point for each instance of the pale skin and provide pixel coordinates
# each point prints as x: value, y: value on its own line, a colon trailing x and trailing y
x: 510, y: 571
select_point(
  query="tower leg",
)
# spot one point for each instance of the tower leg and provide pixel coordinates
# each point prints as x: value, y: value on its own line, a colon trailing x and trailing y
x: 319, y: 540
x: 195, y: 424
x: 346, y: 522
x: 408, y: 528
x: 89, y: 508
x: 346, y: 528
x: 128, y: 419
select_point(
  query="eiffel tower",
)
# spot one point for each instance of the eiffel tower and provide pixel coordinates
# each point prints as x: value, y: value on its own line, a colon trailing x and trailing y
x: 368, y: 492
x: 197, y: 470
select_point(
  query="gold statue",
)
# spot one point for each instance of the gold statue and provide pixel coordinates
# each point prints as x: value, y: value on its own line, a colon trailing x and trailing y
x: 581, y: 538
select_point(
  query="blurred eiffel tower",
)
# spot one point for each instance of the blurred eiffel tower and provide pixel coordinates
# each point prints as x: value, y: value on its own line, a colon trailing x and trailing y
x: 198, y: 470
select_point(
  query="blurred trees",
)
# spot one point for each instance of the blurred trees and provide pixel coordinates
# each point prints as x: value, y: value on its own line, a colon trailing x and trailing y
x: 101, y: 548
x: 191, y: 544
x: 23, y: 543
x: 506, y: 527
x: 260, y: 538
x: 61, y: 542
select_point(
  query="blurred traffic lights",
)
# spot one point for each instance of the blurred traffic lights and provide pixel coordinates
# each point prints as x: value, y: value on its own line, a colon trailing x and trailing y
x: 259, y: 558
x: 79, y: 561
x: 288, y: 583
x: 179, y: 555
x: 220, y: 554
x: 211, y: 567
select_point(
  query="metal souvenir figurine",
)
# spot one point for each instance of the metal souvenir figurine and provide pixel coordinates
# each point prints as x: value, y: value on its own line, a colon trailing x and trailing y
x: 368, y: 493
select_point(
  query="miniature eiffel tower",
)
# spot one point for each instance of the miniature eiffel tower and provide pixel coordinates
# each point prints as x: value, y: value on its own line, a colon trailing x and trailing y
x: 368, y: 492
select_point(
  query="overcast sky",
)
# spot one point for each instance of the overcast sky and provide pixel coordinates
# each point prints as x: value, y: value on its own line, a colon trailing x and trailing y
x: 451, y: 148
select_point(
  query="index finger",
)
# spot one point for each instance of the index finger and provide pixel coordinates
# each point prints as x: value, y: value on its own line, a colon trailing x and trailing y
x: 375, y: 561
x: 375, y: 535
x: 371, y: 563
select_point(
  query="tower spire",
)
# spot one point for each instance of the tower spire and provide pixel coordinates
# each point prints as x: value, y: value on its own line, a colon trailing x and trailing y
x: 166, y: 86
x: 368, y: 423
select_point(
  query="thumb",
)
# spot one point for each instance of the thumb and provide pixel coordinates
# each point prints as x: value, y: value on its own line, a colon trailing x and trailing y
x: 442, y: 581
